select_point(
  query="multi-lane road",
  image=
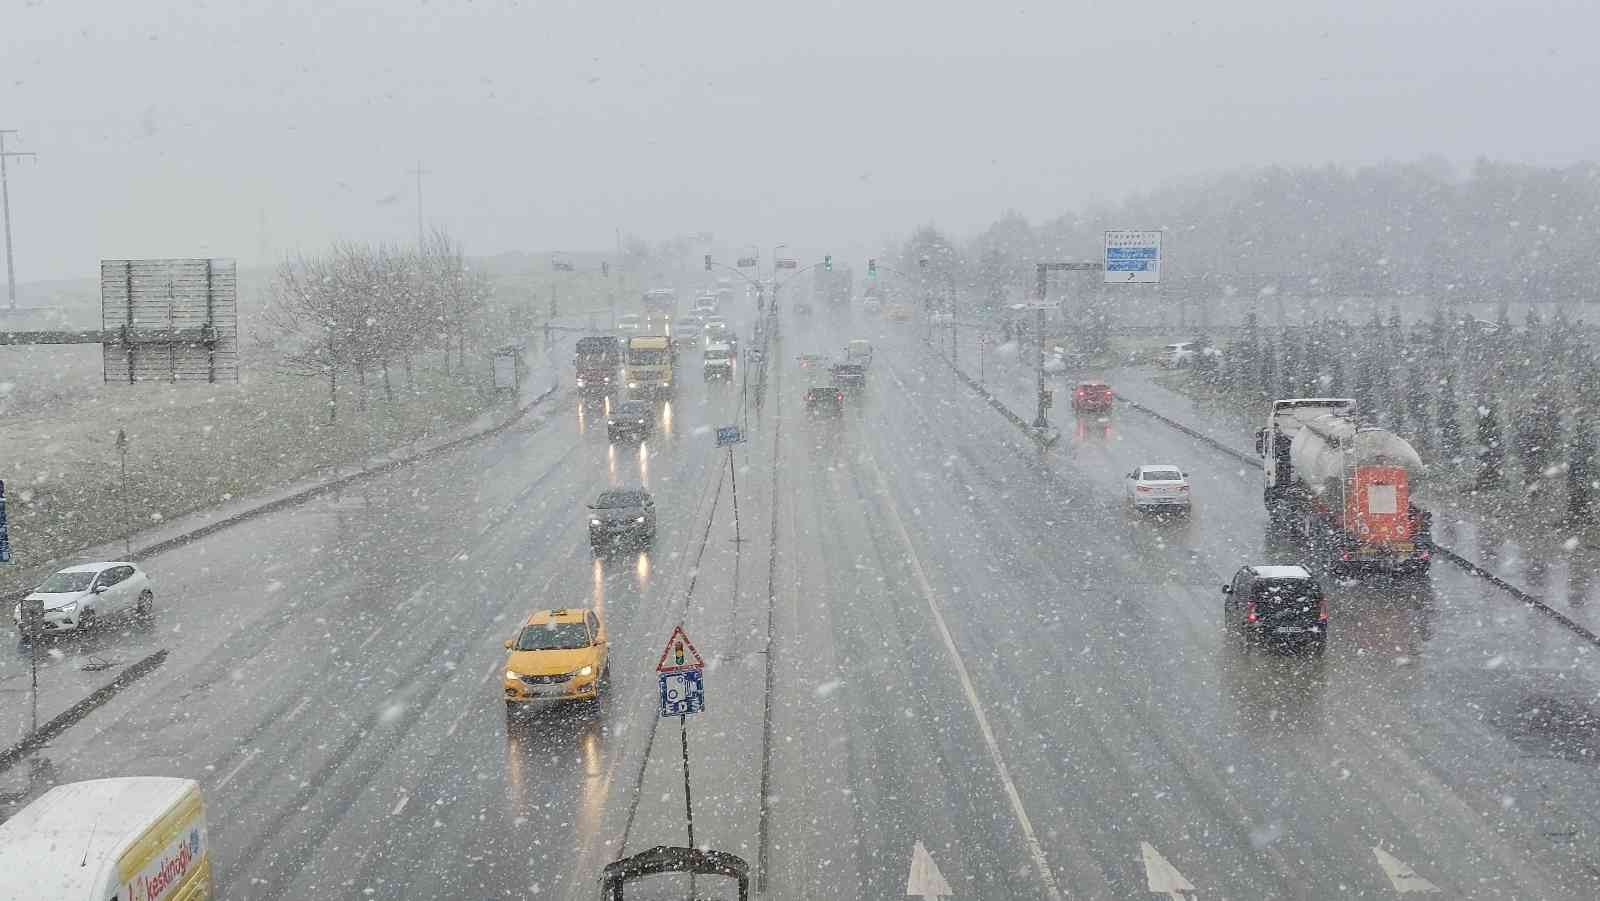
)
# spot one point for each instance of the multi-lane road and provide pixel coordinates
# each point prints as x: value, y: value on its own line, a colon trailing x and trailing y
x: 931, y: 633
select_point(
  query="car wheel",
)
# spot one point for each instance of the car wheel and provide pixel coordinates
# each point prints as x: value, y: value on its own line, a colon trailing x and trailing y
x: 145, y: 604
x: 86, y: 620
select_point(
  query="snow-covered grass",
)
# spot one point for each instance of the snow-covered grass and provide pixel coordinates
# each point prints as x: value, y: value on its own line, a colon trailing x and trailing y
x: 191, y: 446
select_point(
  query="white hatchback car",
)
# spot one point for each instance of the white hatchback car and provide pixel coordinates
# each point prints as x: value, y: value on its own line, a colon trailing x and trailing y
x: 1159, y: 488
x: 77, y: 597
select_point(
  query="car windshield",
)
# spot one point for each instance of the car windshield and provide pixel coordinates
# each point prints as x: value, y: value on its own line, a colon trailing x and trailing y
x: 553, y: 636
x: 648, y: 357
x: 1286, y: 590
x: 617, y: 500
x: 1163, y: 475
x: 63, y: 583
x: 716, y: 353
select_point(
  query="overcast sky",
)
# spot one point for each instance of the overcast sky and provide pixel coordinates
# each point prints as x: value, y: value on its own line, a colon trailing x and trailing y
x: 250, y: 129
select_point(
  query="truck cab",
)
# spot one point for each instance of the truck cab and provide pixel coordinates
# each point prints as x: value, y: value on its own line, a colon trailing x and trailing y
x: 599, y: 365
x: 650, y: 366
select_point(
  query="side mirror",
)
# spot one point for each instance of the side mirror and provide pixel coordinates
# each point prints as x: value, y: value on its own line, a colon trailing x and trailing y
x: 1184, y: 474
x: 1261, y: 442
x: 1227, y: 589
x: 99, y: 589
x: 509, y: 642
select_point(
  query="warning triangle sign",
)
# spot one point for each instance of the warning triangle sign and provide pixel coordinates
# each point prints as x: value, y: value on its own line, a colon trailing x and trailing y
x: 679, y: 654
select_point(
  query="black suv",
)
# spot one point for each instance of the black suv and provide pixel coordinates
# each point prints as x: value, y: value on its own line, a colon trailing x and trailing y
x: 630, y: 420
x: 1276, y: 603
x: 824, y: 400
x: 622, y: 515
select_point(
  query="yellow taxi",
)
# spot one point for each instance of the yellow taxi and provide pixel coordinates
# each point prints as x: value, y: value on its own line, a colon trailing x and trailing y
x: 558, y: 655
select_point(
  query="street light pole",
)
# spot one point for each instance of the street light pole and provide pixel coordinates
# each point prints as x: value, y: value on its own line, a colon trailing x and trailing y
x: 5, y: 201
x: 1042, y: 290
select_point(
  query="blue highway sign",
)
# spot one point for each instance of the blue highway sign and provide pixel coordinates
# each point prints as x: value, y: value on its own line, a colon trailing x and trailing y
x: 683, y: 693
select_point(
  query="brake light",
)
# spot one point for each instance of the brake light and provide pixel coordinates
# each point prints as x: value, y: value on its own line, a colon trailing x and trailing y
x: 1184, y: 488
x: 1250, y: 611
x: 1345, y: 556
x: 1082, y: 393
x: 839, y: 395
x: 1322, y: 610
x: 1142, y: 489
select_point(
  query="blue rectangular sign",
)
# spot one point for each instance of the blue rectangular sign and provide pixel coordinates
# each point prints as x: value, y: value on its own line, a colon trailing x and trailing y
x: 728, y: 434
x: 682, y: 693
x: 1131, y: 253
x: 1129, y: 265
x: 5, y: 537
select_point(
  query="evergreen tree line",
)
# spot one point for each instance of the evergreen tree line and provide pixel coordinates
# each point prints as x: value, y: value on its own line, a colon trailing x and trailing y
x: 1488, y: 407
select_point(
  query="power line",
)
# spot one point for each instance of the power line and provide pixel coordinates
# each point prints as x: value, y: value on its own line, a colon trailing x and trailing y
x: 5, y: 201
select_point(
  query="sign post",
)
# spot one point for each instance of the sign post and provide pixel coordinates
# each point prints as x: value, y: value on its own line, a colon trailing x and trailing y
x: 5, y: 536
x: 728, y: 436
x: 681, y: 674
x: 127, y: 523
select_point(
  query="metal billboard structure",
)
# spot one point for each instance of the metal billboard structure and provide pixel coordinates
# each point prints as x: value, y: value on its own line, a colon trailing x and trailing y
x: 169, y: 320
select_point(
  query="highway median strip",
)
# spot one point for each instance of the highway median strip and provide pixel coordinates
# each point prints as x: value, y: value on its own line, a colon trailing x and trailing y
x: 74, y: 714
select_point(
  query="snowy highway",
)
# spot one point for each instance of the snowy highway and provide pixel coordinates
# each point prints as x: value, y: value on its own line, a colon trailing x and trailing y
x: 970, y: 644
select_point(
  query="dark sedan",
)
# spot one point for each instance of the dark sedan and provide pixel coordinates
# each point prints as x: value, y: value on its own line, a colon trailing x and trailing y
x: 622, y: 516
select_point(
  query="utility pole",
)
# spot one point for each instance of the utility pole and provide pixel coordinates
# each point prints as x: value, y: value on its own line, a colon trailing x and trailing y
x: 5, y: 200
x: 1042, y: 289
x: 419, y: 172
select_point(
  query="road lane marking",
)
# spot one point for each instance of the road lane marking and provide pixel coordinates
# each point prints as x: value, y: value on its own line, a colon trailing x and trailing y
x: 400, y: 804
x: 248, y: 756
x: 370, y: 638
x: 1161, y: 876
x: 1035, y: 850
x: 925, y: 880
x: 1401, y: 876
x: 457, y: 724
x: 297, y: 708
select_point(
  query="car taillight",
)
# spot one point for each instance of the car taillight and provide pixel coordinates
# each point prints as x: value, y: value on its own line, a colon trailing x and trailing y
x: 1345, y: 556
x: 1184, y: 488
x: 1142, y: 489
x: 1322, y: 610
x: 839, y: 395
x: 1250, y: 611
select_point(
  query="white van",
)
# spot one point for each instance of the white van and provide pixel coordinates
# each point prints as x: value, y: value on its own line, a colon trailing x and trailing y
x: 139, y: 837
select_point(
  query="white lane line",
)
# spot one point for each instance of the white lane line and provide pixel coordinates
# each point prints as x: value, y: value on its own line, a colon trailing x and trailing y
x: 249, y: 756
x: 370, y: 638
x: 499, y: 667
x: 457, y: 724
x: 1401, y: 876
x: 1161, y: 876
x: 297, y: 709
x: 1035, y: 849
x: 400, y: 804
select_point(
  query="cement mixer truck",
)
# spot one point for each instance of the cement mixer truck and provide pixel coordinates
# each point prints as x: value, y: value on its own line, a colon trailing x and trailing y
x: 1343, y: 489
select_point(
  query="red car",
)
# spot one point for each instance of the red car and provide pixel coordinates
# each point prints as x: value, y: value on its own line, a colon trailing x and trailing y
x: 1091, y: 397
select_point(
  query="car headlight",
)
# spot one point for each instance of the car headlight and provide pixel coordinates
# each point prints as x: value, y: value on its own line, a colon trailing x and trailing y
x: 641, y: 422
x: 639, y: 520
x: 512, y: 675
x: 594, y: 522
x: 586, y: 671
x: 69, y: 609
x: 633, y: 384
x: 580, y: 383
